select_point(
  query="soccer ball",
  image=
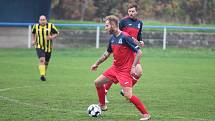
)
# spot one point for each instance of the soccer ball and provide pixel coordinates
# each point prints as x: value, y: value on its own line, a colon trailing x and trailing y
x: 94, y: 110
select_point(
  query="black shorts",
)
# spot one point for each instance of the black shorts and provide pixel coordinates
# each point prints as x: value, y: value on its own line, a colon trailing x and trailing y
x: 42, y: 53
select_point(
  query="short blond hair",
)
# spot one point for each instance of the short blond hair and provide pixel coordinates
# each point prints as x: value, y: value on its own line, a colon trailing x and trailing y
x: 112, y: 19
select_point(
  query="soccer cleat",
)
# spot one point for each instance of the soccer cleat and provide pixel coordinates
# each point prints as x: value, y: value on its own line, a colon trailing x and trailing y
x: 122, y: 93
x: 145, y: 117
x: 103, y: 107
x: 106, y: 99
x: 42, y: 78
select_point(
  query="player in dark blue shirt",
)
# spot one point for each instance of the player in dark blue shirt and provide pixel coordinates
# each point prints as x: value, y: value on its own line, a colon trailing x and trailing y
x: 122, y: 46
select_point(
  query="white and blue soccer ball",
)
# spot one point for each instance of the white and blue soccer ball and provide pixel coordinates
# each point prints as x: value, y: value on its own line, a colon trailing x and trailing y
x: 94, y: 110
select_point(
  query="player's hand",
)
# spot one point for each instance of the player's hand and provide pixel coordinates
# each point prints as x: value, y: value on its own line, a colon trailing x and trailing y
x: 94, y: 67
x: 132, y: 71
x: 33, y: 43
x: 49, y: 37
x: 141, y: 43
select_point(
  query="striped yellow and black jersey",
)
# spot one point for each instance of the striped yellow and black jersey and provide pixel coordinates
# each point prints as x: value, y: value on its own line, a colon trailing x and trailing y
x: 41, y: 33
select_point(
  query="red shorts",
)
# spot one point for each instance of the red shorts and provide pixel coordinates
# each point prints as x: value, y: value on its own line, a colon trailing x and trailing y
x: 124, y: 78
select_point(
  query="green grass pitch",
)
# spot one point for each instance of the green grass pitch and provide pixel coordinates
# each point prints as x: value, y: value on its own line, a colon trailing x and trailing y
x: 177, y: 85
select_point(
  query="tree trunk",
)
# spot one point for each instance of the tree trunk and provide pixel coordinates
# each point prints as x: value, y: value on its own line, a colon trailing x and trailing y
x: 83, y: 9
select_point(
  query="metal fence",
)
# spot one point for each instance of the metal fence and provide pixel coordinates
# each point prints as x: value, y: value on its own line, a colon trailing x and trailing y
x: 99, y: 26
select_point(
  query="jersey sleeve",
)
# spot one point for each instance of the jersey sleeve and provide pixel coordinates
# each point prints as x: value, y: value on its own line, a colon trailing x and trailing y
x: 109, y: 48
x: 139, y: 36
x: 130, y: 42
x: 121, y: 25
x: 34, y: 29
x: 54, y: 29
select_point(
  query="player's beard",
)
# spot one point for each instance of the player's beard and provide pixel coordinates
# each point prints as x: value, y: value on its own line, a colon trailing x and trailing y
x: 111, y: 31
x: 132, y: 17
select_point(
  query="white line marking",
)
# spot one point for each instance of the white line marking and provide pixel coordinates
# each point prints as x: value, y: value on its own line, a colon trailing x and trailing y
x: 31, y: 105
x: 65, y: 110
x: 28, y: 104
x: 6, y: 89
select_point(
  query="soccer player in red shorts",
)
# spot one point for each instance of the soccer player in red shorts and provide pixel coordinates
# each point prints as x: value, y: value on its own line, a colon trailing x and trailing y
x: 122, y: 46
x: 133, y: 26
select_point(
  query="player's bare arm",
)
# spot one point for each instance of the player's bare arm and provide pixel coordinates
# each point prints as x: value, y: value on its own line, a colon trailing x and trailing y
x: 104, y: 56
x: 33, y: 39
x: 50, y: 37
x: 139, y: 43
x: 137, y: 57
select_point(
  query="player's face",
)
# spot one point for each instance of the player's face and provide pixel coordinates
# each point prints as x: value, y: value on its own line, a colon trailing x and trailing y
x: 108, y: 27
x: 42, y: 20
x: 132, y: 12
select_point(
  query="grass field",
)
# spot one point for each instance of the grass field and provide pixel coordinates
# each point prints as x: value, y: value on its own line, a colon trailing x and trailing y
x: 177, y: 85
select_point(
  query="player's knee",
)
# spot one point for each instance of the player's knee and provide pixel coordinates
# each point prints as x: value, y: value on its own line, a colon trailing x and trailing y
x: 42, y: 61
x: 127, y: 96
x: 97, y: 83
x: 139, y: 72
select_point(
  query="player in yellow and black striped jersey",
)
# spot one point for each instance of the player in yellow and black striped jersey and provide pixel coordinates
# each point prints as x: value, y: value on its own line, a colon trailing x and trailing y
x: 42, y: 36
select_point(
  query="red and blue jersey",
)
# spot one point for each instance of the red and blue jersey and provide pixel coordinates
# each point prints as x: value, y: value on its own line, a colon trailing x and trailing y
x: 132, y: 26
x: 123, y: 49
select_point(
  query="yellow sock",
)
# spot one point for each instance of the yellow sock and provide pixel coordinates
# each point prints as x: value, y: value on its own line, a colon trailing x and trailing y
x: 42, y: 70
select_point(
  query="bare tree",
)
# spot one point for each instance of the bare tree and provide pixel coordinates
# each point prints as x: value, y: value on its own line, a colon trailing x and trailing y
x: 83, y: 8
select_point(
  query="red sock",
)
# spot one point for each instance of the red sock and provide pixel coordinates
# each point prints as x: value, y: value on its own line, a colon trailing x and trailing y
x: 101, y: 94
x: 108, y: 85
x: 139, y: 105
